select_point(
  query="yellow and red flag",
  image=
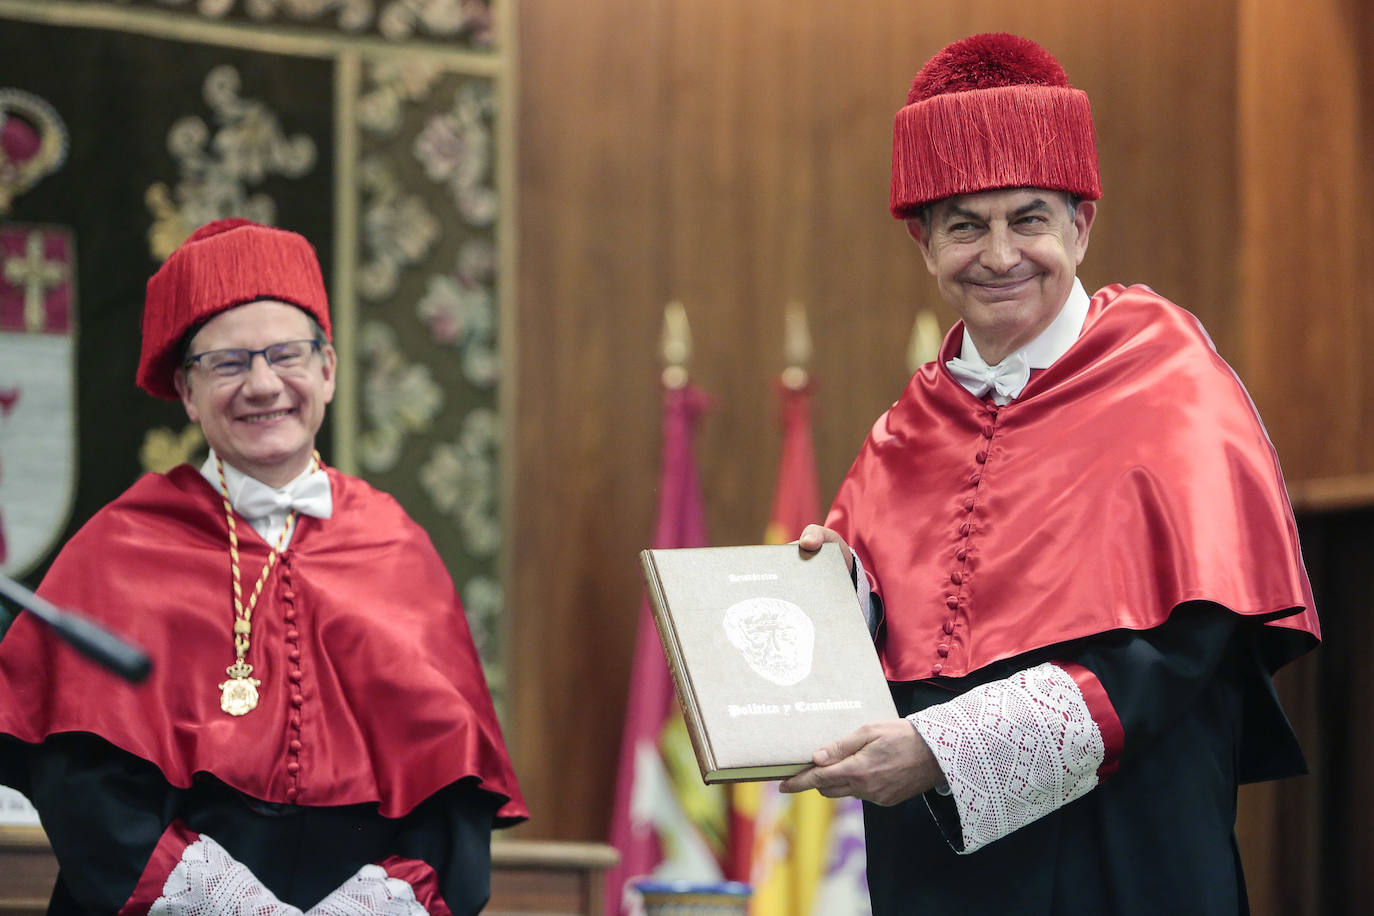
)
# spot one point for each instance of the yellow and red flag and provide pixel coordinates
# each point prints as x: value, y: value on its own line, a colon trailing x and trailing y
x: 803, y: 854
x: 665, y: 823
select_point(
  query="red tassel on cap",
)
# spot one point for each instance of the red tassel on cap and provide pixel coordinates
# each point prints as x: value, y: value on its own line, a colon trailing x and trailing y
x: 223, y: 264
x: 991, y: 111
x: 986, y: 62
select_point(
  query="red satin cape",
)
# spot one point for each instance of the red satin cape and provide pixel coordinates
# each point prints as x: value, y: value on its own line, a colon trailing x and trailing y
x: 360, y: 619
x: 1131, y: 476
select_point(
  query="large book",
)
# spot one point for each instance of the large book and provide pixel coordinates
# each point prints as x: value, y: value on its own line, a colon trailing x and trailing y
x: 769, y: 652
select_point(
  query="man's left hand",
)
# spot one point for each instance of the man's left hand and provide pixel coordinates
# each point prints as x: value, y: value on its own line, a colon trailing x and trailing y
x: 882, y: 762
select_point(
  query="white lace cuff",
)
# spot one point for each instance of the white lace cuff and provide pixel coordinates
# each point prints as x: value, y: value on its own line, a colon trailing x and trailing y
x: 1013, y: 750
x: 370, y: 893
x: 208, y: 881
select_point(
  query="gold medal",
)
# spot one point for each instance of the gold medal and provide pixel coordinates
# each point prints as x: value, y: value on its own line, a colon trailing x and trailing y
x: 240, y: 694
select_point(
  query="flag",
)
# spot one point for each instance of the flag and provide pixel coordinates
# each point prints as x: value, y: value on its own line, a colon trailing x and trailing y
x: 665, y: 823
x: 38, y: 332
x: 805, y: 853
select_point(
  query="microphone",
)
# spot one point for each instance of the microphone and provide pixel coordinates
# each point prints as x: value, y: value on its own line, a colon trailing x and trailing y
x: 86, y: 636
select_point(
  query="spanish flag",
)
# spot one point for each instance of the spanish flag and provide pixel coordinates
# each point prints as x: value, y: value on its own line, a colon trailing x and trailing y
x: 666, y: 824
x: 803, y: 854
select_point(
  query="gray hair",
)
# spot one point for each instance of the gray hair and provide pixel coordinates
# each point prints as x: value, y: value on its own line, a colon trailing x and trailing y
x: 1070, y: 199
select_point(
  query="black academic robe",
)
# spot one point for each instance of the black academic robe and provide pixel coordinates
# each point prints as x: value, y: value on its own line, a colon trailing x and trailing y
x: 106, y: 809
x: 1156, y: 836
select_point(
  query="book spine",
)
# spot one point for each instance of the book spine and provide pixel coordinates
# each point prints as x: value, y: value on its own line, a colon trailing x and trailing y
x: 682, y: 684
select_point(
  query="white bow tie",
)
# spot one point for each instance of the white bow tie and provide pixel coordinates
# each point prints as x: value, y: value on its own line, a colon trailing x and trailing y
x: 1005, y: 380
x: 309, y: 495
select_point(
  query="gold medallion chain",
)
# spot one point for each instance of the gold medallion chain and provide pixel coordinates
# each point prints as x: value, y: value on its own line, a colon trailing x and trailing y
x: 239, y: 694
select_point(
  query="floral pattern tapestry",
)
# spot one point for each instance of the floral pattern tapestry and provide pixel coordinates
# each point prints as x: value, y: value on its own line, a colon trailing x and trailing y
x: 372, y: 127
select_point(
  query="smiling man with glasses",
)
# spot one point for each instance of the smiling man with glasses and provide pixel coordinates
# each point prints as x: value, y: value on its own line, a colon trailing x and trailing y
x: 317, y: 735
x: 232, y: 363
x: 259, y: 414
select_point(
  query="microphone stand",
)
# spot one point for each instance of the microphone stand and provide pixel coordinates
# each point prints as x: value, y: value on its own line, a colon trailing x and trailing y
x: 86, y: 636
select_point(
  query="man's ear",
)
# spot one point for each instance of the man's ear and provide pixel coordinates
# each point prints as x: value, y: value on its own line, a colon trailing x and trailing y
x: 183, y: 387
x: 329, y: 366
x: 919, y: 231
x: 1083, y: 222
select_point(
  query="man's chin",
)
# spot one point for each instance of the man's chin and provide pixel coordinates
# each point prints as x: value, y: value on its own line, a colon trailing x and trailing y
x: 275, y: 457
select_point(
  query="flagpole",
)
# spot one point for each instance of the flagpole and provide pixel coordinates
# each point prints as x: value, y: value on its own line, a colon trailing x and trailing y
x: 649, y: 805
x: 805, y: 851
x: 751, y: 802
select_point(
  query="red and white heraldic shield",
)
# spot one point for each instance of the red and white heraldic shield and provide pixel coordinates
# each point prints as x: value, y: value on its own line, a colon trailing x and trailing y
x: 37, y: 390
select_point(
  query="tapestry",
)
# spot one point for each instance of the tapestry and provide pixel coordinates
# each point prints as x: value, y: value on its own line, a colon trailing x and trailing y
x: 372, y: 127
x: 461, y: 22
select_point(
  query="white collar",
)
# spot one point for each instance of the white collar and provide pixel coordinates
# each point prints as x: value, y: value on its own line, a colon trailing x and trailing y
x: 1049, y: 344
x: 304, y: 491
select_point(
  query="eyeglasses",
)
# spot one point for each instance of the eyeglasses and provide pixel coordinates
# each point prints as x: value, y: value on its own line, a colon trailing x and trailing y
x: 282, y: 357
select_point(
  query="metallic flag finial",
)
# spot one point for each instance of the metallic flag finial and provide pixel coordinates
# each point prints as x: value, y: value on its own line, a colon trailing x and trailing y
x: 924, y: 346
x: 796, y: 346
x: 675, y: 345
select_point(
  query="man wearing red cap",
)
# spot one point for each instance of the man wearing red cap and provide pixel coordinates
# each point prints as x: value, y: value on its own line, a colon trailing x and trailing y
x: 1074, y: 541
x: 317, y: 735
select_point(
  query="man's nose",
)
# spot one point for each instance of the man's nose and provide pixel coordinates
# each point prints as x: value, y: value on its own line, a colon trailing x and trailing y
x: 1000, y: 251
x: 262, y: 378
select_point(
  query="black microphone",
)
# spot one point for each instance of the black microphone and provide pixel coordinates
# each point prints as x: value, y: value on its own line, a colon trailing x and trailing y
x: 85, y: 636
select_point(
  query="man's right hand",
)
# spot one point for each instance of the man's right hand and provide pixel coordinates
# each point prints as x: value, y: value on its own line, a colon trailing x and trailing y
x: 813, y: 536
x: 883, y: 762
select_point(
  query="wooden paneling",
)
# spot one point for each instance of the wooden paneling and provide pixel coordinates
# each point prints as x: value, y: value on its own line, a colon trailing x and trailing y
x: 27, y: 871
x: 736, y: 156
x: 590, y: 300
x: 1306, y: 307
x: 1305, y: 319
x: 548, y: 878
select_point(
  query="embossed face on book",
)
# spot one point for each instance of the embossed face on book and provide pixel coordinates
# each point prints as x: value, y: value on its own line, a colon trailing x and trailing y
x: 776, y: 638
x: 756, y: 696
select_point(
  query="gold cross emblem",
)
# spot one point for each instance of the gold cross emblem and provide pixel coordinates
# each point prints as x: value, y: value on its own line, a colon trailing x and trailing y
x: 35, y: 274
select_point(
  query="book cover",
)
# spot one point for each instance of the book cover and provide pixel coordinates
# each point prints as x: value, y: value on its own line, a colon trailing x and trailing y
x: 769, y: 652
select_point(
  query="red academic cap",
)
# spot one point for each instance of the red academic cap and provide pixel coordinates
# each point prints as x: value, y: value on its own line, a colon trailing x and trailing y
x: 991, y: 111
x: 223, y: 264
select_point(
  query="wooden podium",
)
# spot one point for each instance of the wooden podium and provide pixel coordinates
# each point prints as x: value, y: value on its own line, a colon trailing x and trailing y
x: 528, y: 877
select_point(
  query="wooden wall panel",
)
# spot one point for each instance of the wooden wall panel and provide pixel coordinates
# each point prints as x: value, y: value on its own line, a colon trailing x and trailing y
x: 1306, y: 321
x: 585, y: 441
x: 1305, y: 304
